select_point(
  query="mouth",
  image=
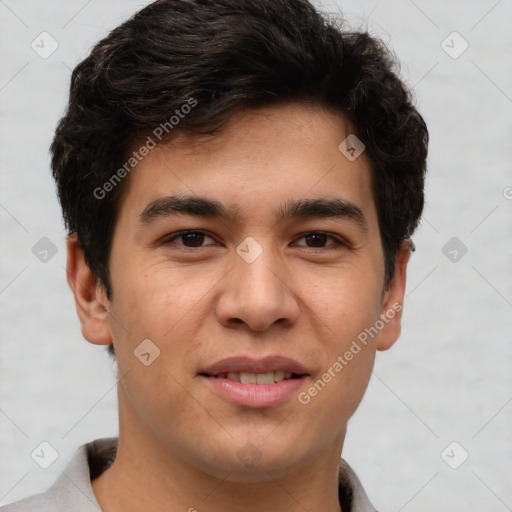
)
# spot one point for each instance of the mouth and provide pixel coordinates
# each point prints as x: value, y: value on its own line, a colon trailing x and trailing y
x: 255, y: 378
x: 238, y: 366
x: 255, y: 383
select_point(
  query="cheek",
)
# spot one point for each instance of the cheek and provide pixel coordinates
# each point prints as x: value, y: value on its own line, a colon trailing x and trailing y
x: 346, y: 311
x: 337, y: 389
x: 150, y: 301
x: 347, y: 298
x: 162, y: 305
x: 149, y: 316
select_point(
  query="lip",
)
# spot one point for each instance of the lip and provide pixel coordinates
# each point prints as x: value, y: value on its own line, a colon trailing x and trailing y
x: 252, y: 365
x: 254, y: 395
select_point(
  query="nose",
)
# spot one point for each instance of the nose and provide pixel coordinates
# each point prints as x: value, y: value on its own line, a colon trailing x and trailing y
x: 258, y: 294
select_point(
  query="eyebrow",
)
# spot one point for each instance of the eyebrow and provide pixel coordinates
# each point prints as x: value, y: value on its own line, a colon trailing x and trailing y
x: 309, y: 208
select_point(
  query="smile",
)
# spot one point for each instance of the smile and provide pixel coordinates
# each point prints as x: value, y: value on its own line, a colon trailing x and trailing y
x: 256, y: 378
x: 252, y: 382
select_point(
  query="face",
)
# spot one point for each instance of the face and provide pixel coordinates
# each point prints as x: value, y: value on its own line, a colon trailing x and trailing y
x: 275, y: 281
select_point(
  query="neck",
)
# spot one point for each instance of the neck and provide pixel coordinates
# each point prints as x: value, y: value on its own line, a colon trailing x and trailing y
x: 144, y: 476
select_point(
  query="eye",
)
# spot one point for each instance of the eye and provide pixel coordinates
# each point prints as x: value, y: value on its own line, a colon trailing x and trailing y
x: 318, y: 238
x: 194, y: 238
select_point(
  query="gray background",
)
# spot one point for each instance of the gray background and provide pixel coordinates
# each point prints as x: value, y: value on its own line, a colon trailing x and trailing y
x: 449, y: 376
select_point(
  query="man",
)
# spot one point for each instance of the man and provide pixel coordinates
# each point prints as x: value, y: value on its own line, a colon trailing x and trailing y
x: 240, y: 181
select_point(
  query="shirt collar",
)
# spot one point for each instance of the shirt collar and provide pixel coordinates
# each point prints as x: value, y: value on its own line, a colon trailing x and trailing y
x: 91, y: 459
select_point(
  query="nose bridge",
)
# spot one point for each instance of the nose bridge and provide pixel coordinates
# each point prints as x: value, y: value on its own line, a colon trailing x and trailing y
x: 257, y: 293
x: 256, y: 268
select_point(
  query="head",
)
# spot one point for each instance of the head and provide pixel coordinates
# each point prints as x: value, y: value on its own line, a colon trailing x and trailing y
x: 245, y: 104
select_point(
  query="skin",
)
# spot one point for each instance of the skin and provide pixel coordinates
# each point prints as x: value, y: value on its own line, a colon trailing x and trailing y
x: 178, y: 440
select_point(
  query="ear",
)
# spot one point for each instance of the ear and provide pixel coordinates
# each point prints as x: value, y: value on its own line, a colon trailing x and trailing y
x: 90, y: 298
x: 392, y: 306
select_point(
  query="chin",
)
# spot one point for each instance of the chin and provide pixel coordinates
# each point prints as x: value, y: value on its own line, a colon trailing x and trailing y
x: 250, y: 461
x: 257, y: 471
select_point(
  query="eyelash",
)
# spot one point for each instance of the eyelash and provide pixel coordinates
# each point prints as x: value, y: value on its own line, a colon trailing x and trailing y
x: 339, y: 244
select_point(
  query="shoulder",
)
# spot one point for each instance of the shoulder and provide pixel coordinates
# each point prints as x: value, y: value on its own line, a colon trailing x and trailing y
x: 72, y: 490
x: 39, y: 502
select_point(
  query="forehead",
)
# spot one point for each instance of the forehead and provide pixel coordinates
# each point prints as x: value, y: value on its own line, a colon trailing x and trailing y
x: 261, y: 160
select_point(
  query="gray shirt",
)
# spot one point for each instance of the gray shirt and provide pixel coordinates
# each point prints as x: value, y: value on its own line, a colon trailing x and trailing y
x: 72, y: 491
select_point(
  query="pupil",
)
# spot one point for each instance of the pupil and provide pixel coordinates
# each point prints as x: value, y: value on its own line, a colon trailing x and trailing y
x: 194, y: 236
x: 316, y: 235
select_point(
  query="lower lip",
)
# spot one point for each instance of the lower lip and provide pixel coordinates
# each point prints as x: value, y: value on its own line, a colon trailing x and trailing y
x: 255, y: 395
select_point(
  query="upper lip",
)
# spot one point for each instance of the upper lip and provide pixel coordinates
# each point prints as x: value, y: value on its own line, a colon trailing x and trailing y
x: 247, y: 364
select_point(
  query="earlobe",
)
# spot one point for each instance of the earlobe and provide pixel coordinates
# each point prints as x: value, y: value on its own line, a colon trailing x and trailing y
x: 391, y: 313
x: 90, y: 299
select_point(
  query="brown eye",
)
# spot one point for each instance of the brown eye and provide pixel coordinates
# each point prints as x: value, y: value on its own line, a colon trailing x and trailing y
x: 318, y: 239
x: 188, y: 238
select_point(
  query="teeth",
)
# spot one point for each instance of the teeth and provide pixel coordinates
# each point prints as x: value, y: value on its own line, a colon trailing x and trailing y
x: 248, y: 378
x: 255, y: 378
x: 279, y: 376
x: 265, y: 378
